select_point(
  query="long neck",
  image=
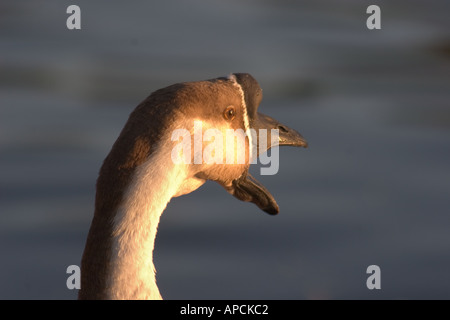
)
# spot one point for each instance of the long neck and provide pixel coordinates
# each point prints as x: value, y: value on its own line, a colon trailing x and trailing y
x: 127, y: 269
x: 135, y: 226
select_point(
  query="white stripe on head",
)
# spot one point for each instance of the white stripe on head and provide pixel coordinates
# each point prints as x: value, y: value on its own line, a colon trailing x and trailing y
x: 233, y: 79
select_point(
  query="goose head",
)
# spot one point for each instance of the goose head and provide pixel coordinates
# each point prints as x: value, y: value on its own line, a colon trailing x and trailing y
x: 222, y: 132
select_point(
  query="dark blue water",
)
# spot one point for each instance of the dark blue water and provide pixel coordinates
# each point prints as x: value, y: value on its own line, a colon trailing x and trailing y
x: 372, y: 188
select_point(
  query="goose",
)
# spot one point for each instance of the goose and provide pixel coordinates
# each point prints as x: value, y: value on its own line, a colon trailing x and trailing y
x: 138, y: 178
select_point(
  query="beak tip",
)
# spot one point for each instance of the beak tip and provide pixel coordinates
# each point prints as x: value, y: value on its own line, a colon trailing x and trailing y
x: 272, y: 211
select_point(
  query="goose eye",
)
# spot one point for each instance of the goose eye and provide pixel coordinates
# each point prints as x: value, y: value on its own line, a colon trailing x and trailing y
x: 229, y: 113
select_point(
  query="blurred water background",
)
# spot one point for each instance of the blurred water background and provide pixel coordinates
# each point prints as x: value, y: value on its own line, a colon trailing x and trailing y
x: 373, y: 187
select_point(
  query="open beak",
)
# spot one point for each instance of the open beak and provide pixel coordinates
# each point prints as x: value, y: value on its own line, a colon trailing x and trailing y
x: 246, y: 187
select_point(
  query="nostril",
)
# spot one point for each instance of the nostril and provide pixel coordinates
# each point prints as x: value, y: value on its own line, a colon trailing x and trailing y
x: 282, y: 128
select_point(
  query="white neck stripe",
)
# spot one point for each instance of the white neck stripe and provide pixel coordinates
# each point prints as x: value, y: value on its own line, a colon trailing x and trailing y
x: 233, y: 79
